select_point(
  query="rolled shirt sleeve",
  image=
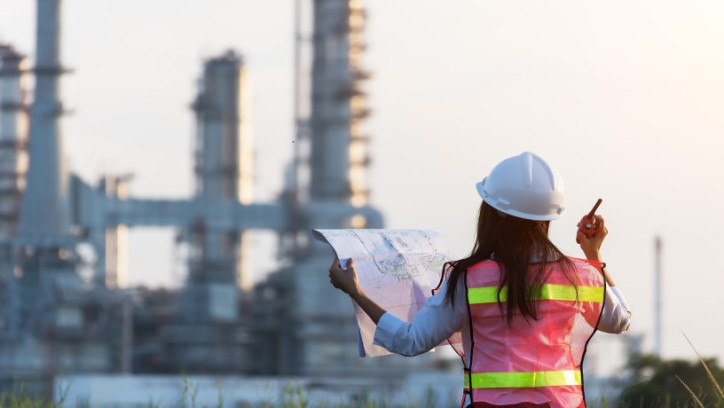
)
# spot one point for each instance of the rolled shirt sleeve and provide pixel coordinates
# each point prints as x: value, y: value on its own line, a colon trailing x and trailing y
x: 616, y: 315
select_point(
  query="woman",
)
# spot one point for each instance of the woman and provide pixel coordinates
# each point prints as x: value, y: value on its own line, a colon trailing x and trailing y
x: 525, y: 311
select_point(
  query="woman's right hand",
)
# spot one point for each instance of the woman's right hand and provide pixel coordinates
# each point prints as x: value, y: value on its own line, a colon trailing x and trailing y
x: 591, y: 246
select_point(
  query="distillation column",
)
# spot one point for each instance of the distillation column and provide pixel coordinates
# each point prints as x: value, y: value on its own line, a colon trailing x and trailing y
x: 45, y: 212
x: 210, y: 336
x: 13, y: 137
x: 224, y: 171
x: 320, y: 327
x: 338, y: 152
x: 49, y: 266
x: 51, y: 292
x: 13, y: 165
x: 324, y: 344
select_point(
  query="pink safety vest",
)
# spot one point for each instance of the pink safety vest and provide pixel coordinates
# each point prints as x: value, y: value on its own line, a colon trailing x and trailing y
x: 532, y: 361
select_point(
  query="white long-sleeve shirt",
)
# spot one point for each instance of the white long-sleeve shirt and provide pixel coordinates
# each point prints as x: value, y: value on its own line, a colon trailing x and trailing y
x: 439, y: 319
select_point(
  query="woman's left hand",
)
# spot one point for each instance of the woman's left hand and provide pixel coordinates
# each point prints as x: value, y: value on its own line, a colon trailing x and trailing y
x: 344, y: 279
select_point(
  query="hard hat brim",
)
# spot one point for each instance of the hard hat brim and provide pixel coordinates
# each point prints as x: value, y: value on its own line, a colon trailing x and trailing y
x: 480, y: 186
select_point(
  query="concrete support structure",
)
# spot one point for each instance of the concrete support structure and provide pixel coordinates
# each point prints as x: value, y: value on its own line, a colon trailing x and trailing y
x: 113, y: 273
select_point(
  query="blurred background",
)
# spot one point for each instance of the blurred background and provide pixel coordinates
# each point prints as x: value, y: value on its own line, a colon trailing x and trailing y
x: 163, y: 162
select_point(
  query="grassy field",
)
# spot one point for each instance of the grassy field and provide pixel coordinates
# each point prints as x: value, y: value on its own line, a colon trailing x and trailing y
x: 294, y: 396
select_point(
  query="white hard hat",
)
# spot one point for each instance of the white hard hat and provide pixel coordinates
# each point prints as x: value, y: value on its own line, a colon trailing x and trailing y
x: 524, y: 186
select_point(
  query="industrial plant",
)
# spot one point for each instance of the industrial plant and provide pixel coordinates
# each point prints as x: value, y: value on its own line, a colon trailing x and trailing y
x: 66, y: 309
x: 55, y: 321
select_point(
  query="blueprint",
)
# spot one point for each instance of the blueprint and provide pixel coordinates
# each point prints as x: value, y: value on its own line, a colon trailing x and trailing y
x: 398, y: 269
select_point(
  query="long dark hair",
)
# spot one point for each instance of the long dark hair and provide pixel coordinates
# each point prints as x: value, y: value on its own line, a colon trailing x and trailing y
x: 515, y: 244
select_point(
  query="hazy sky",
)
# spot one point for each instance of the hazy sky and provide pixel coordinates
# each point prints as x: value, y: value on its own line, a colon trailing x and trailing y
x: 625, y: 98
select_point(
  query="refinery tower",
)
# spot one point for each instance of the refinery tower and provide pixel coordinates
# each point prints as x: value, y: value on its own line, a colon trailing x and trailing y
x: 308, y: 326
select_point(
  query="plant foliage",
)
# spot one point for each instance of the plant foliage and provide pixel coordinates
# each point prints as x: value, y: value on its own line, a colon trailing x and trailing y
x: 673, y: 383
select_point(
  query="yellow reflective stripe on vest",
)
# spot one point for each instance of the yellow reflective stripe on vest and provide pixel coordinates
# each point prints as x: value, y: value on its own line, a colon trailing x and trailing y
x: 524, y: 380
x: 549, y: 291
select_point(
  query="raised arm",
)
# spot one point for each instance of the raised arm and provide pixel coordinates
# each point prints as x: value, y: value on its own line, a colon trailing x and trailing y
x: 616, y: 315
x: 592, y: 247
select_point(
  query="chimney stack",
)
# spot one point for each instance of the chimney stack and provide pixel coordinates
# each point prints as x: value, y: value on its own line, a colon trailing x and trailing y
x: 45, y: 212
x: 657, y: 297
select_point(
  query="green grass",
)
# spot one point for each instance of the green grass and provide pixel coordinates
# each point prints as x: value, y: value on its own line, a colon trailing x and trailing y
x: 718, y: 391
x: 294, y: 396
x: 19, y: 398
